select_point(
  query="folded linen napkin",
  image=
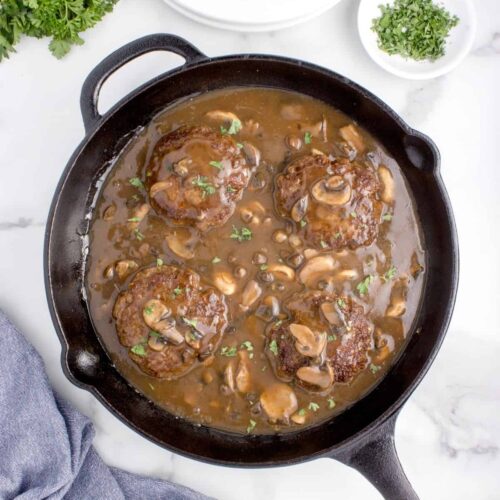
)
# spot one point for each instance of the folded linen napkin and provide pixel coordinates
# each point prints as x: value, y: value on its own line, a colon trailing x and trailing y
x: 46, y: 445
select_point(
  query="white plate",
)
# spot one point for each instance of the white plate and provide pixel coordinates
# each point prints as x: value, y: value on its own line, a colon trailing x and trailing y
x: 458, y: 43
x: 251, y: 15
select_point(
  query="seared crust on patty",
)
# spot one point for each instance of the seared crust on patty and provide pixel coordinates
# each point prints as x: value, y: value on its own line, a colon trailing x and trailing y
x: 169, y: 320
x: 196, y: 176
x: 335, y: 203
x: 342, y: 320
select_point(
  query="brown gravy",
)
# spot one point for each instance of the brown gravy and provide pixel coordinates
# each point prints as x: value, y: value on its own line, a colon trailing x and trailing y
x: 384, y: 277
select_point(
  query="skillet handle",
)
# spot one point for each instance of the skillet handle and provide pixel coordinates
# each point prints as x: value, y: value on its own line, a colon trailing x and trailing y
x: 93, y: 83
x: 375, y: 457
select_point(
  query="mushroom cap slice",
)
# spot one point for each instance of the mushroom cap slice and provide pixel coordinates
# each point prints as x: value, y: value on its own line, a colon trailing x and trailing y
x: 243, y: 379
x: 279, y: 401
x: 333, y: 190
x: 299, y: 208
x: 385, y: 176
x: 314, y: 375
x: 309, y: 343
x: 316, y: 267
x: 225, y: 282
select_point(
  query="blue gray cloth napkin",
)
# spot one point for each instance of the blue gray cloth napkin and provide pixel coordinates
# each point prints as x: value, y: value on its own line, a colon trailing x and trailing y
x: 46, y: 444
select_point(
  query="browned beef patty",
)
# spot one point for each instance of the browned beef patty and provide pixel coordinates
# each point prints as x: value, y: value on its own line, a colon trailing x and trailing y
x: 340, y: 328
x: 334, y: 203
x: 169, y: 320
x: 196, y: 176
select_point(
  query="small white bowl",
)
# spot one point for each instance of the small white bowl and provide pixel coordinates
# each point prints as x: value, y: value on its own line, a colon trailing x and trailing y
x: 458, y: 43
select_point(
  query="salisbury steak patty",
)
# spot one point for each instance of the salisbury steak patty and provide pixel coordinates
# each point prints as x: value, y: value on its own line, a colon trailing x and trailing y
x: 169, y: 320
x: 326, y: 340
x: 196, y: 176
x: 334, y: 203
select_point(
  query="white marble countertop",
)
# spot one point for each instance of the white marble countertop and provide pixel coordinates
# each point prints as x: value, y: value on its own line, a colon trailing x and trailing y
x: 448, y: 434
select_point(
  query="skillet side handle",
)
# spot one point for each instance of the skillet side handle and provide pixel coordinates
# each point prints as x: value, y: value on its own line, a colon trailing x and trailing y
x: 376, y: 458
x: 150, y: 43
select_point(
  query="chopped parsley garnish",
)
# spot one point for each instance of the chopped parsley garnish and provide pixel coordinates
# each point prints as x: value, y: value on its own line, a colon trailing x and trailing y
x: 303, y: 223
x: 273, y: 347
x: 341, y: 303
x: 331, y: 403
x: 204, y: 185
x: 313, y: 406
x: 338, y: 235
x: 307, y: 137
x: 301, y: 412
x: 216, y: 260
x: 243, y: 234
x: 190, y: 322
x: 251, y: 426
x: 263, y: 267
x: 323, y: 244
x: 387, y: 217
x: 154, y: 334
x: 177, y: 291
x: 374, y: 368
x: 136, y: 182
x: 353, y: 215
x: 247, y: 345
x: 139, y: 350
x: 159, y: 262
x: 239, y: 145
x: 331, y: 338
x: 148, y: 310
x: 138, y: 234
x: 390, y: 273
x: 278, y: 323
x: 415, y: 29
x: 216, y: 164
x: 233, y: 129
x: 229, y: 352
x: 134, y: 219
x: 231, y: 189
x: 364, y: 285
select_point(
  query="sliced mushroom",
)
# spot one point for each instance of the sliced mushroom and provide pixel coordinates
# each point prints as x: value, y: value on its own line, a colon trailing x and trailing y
x: 314, y: 375
x: 250, y: 295
x: 397, y: 308
x: 125, y: 267
x: 158, y: 187
x: 252, y: 154
x: 299, y: 418
x: 309, y: 253
x: 309, y: 343
x: 282, y: 272
x: 225, y: 282
x: 225, y: 117
x: 317, y: 152
x: 139, y: 213
x: 387, y: 181
x: 315, y: 268
x: 293, y: 142
x: 229, y: 375
x: 243, y: 379
x: 156, y: 343
x: 299, y: 208
x: 109, y: 213
x: 279, y: 402
x: 346, y: 275
x: 350, y: 134
x: 330, y: 312
x: 334, y: 190
x: 178, y: 246
x: 158, y: 317
x: 324, y: 129
x: 181, y: 167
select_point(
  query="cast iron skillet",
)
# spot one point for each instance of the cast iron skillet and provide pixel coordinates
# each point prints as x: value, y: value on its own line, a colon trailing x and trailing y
x: 362, y: 436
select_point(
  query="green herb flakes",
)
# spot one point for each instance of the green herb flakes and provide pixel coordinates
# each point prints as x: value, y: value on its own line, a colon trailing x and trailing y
x: 216, y: 260
x: 301, y: 412
x: 134, y: 219
x: 233, y: 129
x: 139, y: 350
x: 374, y: 368
x: 273, y: 347
x: 307, y: 137
x: 303, y: 223
x: 331, y: 403
x: 415, y: 29
x: 136, y: 182
x: 313, y: 406
x: 190, y: 322
x: 331, y: 338
x: 341, y: 303
x: 251, y: 426
x: 247, y: 345
x: 390, y: 273
x: 159, y: 262
x: 177, y: 291
x: 323, y: 244
x: 138, y: 234
x: 263, y: 267
x: 231, y: 189
x: 364, y: 285
x: 202, y: 183
x: 229, y: 352
x: 148, y: 310
x: 387, y: 217
x: 243, y: 234
x: 216, y: 164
